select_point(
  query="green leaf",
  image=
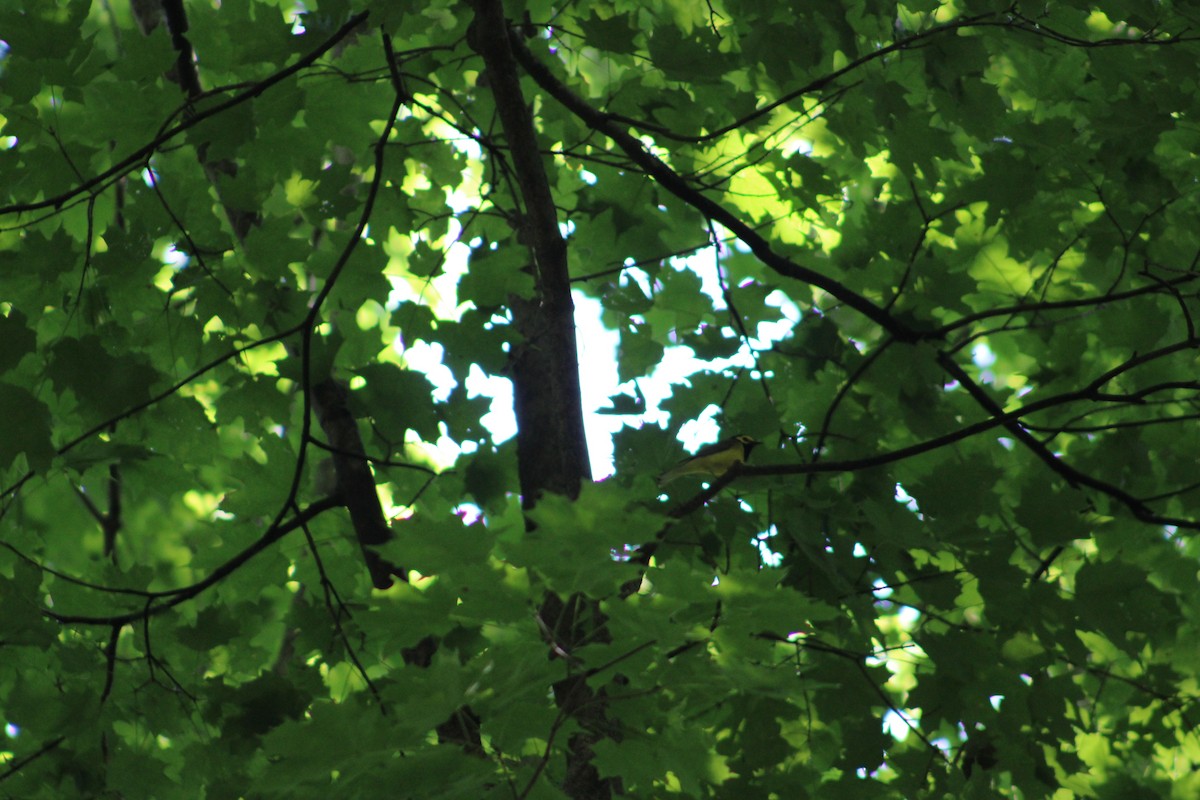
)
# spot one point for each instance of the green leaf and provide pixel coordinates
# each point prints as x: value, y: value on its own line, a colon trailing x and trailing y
x: 399, y: 400
x: 104, y: 385
x: 27, y: 428
x: 22, y: 622
x: 497, y: 275
x: 488, y: 478
x: 940, y: 260
x: 687, y: 58
x: 614, y: 33
x: 18, y: 340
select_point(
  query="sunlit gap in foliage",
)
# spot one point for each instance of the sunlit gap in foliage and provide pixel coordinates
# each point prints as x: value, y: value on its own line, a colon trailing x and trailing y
x: 984, y: 358
x: 770, y: 558
x: 597, y: 343
x: 679, y: 361
x: 898, y: 622
x: 907, y: 500
x: 295, y: 15
x: 598, y: 375
x: 469, y: 513
x: 597, y: 356
x: 175, y: 258
x: 438, y: 293
x: 173, y: 261
x: 896, y: 726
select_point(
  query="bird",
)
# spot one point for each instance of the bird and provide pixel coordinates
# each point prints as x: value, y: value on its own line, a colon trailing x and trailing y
x: 713, y: 459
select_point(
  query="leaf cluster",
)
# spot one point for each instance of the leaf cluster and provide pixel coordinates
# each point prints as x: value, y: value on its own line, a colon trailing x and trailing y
x: 941, y: 258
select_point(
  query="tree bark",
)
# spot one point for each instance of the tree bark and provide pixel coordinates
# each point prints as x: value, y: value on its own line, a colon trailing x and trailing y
x: 551, y: 448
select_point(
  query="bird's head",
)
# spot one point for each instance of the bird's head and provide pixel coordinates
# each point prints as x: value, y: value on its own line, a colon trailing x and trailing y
x: 748, y: 443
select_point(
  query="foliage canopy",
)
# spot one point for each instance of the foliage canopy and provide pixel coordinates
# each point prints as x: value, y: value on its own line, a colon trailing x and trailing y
x: 249, y: 549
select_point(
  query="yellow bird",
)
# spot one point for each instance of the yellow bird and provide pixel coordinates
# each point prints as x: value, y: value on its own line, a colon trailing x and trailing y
x: 713, y: 459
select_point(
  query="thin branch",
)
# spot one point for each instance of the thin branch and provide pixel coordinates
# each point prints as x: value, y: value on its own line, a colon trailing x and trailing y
x: 676, y: 185
x: 1053, y: 305
x: 332, y: 599
x: 1073, y: 476
x: 20, y: 763
x: 810, y: 87
x: 174, y: 597
x: 126, y: 164
x: 155, y: 399
x: 110, y: 662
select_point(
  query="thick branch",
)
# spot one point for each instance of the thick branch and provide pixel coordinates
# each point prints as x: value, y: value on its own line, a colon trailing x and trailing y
x: 551, y: 448
x: 355, y: 482
x: 676, y: 185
